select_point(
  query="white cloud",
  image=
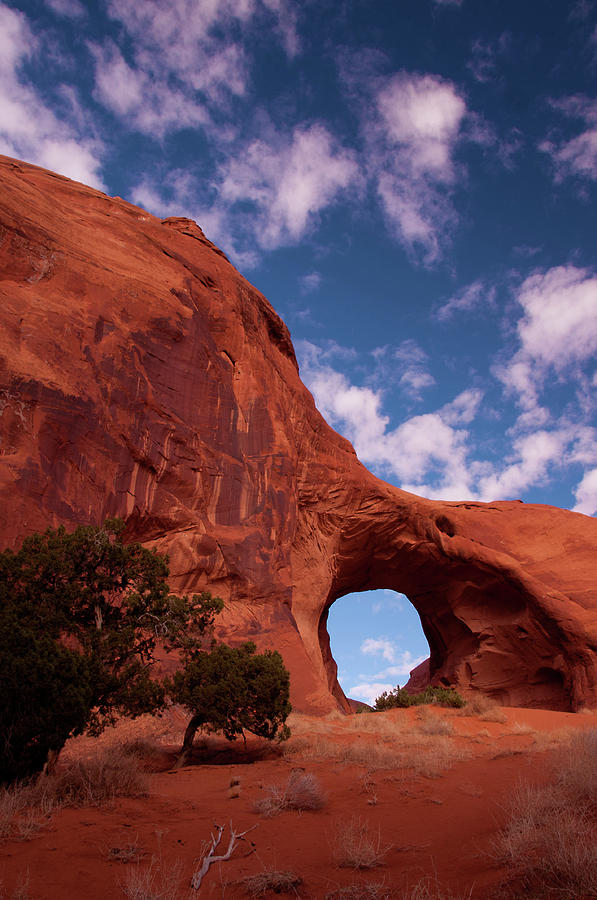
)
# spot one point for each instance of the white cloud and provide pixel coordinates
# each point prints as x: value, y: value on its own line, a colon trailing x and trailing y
x: 269, y: 193
x: 448, y: 2
x: 287, y: 182
x: 370, y: 687
x: 557, y: 334
x: 476, y: 295
x: 379, y: 647
x: 403, y: 664
x: 421, y: 446
x: 310, y: 282
x: 150, y: 105
x: 28, y: 128
x: 186, y: 59
x: 416, y: 128
x: 432, y: 454
x: 411, y: 363
x: 484, y: 57
x: 463, y: 408
x: 368, y: 692
x: 586, y: 494
x: 71, y: 9
x: 577, y: 155
x: 534, y: 453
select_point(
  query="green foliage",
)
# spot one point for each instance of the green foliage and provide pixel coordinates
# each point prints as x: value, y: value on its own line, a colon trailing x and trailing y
x: 46, y: 695
x: 232, y: 690
x: 399, y: 697
x: 80, y: 618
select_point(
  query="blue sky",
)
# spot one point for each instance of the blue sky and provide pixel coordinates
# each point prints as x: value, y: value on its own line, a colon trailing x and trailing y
x: 411, y: 183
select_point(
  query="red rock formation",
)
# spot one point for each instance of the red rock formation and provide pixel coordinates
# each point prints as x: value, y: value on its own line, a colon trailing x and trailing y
x: 141, y: 375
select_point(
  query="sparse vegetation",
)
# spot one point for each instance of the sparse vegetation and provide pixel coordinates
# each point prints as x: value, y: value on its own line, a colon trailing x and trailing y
x: 301, y: 792
x: 80, y: 617
x: 549, y: 842
x: 109, y: 773
x: 416, y: 753
x: 439, y: 696
x: 431, y: 723
x: 272, y: 880
x: 156, y: 881
x: 232, y: 690
x: 478, y: 705
x: 361, y: 891
x: 357, y: 846
x: 429, y: 889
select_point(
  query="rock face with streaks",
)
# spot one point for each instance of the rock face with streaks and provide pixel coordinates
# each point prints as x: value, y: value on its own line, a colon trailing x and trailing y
x: 142, y: 376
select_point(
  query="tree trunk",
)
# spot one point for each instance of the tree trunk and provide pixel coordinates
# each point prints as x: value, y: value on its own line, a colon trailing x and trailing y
x: 50, y: 763
x: 189, y: 737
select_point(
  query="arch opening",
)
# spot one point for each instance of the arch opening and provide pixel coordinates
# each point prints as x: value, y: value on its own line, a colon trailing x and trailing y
x: 375, y: 639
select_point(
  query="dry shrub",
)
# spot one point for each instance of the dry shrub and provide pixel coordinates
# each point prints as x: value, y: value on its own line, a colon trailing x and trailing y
x: 12, y: 804
x: 432, y: 723
x: 302, y: 791
x: 272, y: 880
x: 576, y: 769
x: 429, y: 889
x: 548, y: 740
x: 156, y: 881
x: 110, y: 773
x: 356, y: 846
x: 433, y: 755
x: 417, y: 754
x: 478, y: 705
x: 126, y: 852
x: 361, y: 891
x: 22, y: 816
x: 376, y: 723
x: 308, y: 747
x: 484, y: 708
x: 522, y: 728
x: 20, y: 891
x: 550, y: 841
x: 372, y: 756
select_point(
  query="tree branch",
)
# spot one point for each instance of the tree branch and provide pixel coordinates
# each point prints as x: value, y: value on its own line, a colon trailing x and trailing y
x: 209, y: 858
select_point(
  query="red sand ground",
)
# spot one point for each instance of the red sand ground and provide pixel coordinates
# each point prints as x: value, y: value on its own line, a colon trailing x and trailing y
x: 436, y: 802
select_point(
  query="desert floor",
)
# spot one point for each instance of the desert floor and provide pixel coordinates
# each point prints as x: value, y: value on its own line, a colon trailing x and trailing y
x: 406, y: 803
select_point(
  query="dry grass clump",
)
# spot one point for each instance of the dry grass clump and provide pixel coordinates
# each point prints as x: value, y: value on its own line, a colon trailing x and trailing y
x: 272, y: 880
x: 307, y: 747
x: 156, y: 881
x: 302, y: 791
x: 416, y: 753
x: 22, y: 815
x: 432, y: 723
x: 372, y: 756
x: 126, y: 852
x: 12, y: 806
x: 376, y: 723
x: 361, y: 891
x: 20, y: 891
x: 484, y: 707
x: 356, y: 846
x: 110, y: 773
x: 429, y: 889
x: 522, y: 728
x: 576, y: 769
x: 550, y: 843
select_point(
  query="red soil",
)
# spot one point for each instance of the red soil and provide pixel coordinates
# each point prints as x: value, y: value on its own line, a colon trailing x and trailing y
x: 438, y: 819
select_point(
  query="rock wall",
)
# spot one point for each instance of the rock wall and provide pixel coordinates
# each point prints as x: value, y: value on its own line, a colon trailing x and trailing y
x: 141, y: 375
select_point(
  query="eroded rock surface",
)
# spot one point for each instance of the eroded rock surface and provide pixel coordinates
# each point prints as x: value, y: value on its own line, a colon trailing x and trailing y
x: 142, y: 376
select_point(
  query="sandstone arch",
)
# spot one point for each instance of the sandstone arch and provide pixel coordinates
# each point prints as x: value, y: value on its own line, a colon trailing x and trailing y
x: 141, y: 375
